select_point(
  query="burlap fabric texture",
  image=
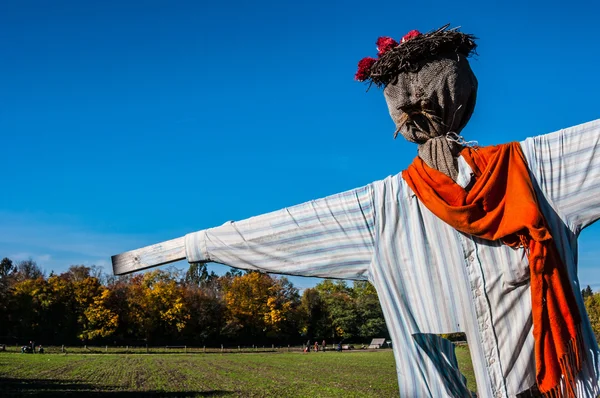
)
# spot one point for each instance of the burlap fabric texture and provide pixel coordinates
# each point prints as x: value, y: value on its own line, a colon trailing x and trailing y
x: 430, y: 107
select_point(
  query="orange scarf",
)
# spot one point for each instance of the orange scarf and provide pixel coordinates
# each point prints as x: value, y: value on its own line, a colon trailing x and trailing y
x: 502, y: 205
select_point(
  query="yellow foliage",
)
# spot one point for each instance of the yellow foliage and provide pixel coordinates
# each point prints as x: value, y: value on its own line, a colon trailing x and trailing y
x: 592, y: 305
x: 86, y: 291
x: 101, y: 321
x: 257, y: 300
x: 155, y: 293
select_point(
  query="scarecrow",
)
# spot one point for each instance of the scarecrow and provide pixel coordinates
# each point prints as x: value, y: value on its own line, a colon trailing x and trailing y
x: 480, y: 240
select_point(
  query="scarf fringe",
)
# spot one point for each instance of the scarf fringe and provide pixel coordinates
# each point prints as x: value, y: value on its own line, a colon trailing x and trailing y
x: 570, y: 365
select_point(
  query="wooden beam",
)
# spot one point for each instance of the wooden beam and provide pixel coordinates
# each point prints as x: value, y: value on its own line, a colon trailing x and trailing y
x: 149, y: 256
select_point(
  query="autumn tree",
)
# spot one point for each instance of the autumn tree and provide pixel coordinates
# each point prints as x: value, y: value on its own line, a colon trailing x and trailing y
x: 100, y: 320
x: 27, y: 306
x: 207, y: 314
x: 156, y: 306
x: 592, y: 305
x: 119, y: 301
x: 45, y: 308
x: 61, y: 316
x: 77, y: 273
x: 258, y: 306
x: 27, y: 269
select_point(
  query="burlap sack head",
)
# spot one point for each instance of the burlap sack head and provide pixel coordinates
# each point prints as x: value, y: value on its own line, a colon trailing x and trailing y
x: 430, y: 90
x: 431, y: 102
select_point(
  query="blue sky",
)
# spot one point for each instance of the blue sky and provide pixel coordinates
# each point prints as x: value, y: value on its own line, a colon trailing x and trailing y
x: 126, y: 123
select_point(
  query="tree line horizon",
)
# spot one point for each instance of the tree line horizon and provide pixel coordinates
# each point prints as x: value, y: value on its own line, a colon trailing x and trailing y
x: 83, y: 305
x: 193, y: 307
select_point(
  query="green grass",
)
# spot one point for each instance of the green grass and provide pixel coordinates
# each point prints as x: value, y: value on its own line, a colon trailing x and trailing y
x: 330, y: 374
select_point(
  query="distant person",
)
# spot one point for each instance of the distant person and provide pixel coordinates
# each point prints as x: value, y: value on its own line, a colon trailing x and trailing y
x: 316, y: 346
x: 323, y: 345
x: 40, y: 349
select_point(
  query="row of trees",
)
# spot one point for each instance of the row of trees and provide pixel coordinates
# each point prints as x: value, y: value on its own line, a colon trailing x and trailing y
x: 173, y: 307
x: 194, y: 307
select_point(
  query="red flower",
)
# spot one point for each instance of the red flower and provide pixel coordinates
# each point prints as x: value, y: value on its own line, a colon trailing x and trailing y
x: 410, y: 35
x: 364, y: 69
x: 384, y: 44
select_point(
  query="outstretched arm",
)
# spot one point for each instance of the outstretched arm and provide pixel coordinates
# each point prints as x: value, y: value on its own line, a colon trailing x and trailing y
x: 566, y: 165
x: 330, y: 237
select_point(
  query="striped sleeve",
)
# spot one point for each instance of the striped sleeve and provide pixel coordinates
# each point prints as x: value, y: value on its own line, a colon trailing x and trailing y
x: 566, y: 165
x: 331, y: 237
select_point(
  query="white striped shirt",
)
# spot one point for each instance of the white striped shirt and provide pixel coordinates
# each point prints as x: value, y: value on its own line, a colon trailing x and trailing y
x: 432, y: 279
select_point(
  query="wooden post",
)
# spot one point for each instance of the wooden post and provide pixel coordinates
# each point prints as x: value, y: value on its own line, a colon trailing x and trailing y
x: 149, y: 256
